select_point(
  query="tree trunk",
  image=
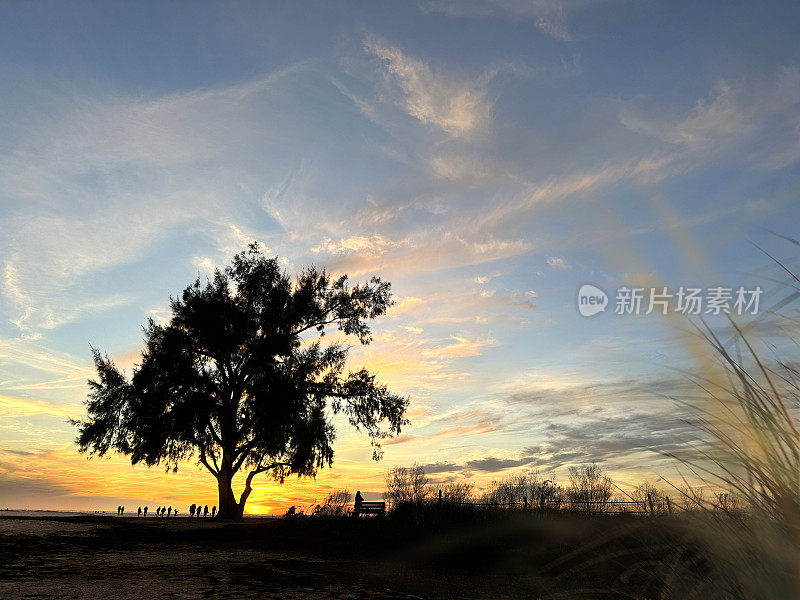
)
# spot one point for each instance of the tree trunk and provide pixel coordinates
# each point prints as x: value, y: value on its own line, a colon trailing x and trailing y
x: 229, y: 509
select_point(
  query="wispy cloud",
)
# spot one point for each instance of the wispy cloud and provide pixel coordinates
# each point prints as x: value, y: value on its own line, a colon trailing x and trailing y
x: 733, y: 116
x: 33, y: 354
x: 421, y: 252
x: 12, y: 407
x: 709, y: 120
x: 374, y: 245
x: 471, y: 171
x: 459, y: 346
x: 103, y: 179
x: 456, y: 107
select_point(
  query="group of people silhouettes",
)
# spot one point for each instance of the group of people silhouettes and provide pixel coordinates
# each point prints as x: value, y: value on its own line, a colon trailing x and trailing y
x: 201, y: 511
x: 161, y: 511
x: 195, y: 510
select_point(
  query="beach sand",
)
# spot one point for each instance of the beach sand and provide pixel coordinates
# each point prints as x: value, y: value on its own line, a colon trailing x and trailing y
x: 474, y: 555
x: 121, y: 558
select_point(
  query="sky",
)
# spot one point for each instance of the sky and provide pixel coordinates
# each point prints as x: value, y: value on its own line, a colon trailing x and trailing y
x: 487, y: 157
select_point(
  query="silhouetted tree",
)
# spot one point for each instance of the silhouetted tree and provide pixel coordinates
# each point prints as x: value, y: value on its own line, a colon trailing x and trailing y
x: 239, y: 378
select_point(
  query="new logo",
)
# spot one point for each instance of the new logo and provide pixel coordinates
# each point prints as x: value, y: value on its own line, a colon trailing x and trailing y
x: 591, y: 300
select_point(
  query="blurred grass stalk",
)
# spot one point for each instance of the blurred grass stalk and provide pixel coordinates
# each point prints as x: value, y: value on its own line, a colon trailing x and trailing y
x: 750, y: 416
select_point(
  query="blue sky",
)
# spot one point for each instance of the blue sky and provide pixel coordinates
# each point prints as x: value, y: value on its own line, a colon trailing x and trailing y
x: 486, y: 157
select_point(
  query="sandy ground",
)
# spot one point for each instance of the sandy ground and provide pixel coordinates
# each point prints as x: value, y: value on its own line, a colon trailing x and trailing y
x: 45, y: 527
x: 506, y: 555
x: 107, y: 557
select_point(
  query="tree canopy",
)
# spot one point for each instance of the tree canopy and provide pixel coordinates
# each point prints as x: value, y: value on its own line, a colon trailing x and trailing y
x: 239, y: 378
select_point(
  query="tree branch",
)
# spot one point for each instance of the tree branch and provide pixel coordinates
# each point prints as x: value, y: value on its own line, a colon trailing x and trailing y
x: 216, y: 436
x: 214, y: 459
x: 205, y: 462
x: 242, y: 452
x: 259, y: 469
x: 312, y: 325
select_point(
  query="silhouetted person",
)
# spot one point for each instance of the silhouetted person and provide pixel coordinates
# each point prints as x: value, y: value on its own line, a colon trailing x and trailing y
x: 358, y: 502
x: 205, y: 511
x: 169, y: 511
x: 145, y: 511
x: 123, y: 511
x: 139, y: 514
x: 119, y: 510
x: 199, y: 511
x: 213, y: 511
x: 175, y: 513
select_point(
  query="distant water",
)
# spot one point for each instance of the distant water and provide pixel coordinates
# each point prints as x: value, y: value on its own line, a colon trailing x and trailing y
x: 100, y: 513
x: 51, y: 513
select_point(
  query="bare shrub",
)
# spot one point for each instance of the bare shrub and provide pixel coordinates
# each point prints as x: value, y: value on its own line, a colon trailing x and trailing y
x: 407, y: 485
x: 455, y: 492
x: 524, y: 490
x: 727, y: 502
x: 549, y: 495
x: 337, y: 504
x: 649, y: 498
x: 589, y: 489
x: 691, y: 498
x: 512, y: 491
